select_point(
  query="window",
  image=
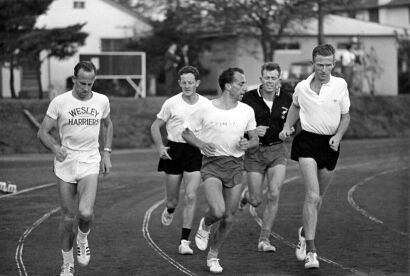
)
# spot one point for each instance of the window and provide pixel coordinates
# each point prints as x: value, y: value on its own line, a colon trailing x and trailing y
x: 374, y: 15
x: 114, y: 44
x: 288, y: 46
x: 78, y: 5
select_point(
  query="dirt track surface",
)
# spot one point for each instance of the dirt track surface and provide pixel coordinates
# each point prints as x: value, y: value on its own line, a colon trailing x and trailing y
x: 363, y: 226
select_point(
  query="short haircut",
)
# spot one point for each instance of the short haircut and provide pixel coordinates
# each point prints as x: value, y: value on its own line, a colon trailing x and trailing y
x: 323, y: 50
x: 188, y: 69
x: 227, y: 76
x: 87, y: 66
x: 270, y: 66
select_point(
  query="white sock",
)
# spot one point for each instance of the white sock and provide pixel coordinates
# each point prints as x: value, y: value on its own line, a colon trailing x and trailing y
x: 68, y: 257
x: 212, y: 254
x: 82, y: 237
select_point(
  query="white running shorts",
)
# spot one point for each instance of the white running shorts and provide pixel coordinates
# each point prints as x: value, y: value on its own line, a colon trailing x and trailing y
x: 77, y: 165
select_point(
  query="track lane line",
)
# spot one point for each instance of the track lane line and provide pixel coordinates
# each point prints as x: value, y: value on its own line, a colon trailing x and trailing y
x: 362, y: 210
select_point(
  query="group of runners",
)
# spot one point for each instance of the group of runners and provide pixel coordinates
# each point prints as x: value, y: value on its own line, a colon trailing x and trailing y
x: 227, y: 143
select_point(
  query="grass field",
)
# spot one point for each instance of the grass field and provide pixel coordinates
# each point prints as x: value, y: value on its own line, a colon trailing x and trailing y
x: 363, y: 227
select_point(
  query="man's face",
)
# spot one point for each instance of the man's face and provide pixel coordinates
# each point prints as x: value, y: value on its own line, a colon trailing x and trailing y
x: 270, y: 81
x: 238, y: 86
x: 83, y: 83
x: 188, y: 84
x: 323, y: 66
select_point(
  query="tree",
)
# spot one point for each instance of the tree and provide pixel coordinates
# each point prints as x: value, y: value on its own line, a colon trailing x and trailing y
x: 266, y: 20
x: 20, y: 40
x: 16, y: 19
x: 58, y: 42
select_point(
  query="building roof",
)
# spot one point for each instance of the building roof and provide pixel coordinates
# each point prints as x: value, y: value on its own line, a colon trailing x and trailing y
x: 336, y: 25
x: 127, y: 10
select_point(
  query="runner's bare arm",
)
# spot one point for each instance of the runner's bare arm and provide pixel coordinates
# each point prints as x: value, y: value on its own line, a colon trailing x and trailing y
x: 47, y: 140
x: 107, y: 131
x: 207, y: 148
x: 157, y: 137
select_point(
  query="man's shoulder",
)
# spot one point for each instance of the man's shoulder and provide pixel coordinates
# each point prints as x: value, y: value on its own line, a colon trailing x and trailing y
x: 244, y: 106
x: 249, y: 95
x: 100, y: 96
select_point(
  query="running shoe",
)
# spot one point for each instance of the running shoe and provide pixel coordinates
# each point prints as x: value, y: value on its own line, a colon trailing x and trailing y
x: 83, y: 253
x: 67, y: 270
x: 202, y: 236
x: 301, y: 248
x: 265, y: 246
x: 213, y: 265
x: 311, y: 260
x: 184, y: 248
x: 166, y: 218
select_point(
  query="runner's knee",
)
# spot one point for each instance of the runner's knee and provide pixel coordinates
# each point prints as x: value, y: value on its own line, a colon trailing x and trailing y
x: 68, y: 220
x: 85, y: 213
x: 254, y: 200
x: 190, y: 199
x: 273, y: 194
x: 218, y: 212
x: 313, y: 198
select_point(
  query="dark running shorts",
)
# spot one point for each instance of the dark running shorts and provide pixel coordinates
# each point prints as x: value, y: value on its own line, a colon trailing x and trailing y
x: 316, y: 146
x: 185, y: 158
x: 228, y: 169
x: 264, y: 157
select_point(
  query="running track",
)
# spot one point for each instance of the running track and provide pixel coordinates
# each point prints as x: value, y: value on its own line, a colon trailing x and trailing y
x: 363, y: 227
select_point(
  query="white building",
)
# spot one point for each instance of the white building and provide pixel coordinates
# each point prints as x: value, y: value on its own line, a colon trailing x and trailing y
x: 109, y: 25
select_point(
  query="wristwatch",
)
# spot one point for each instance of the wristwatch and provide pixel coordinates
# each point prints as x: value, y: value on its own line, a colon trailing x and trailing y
x: 107, y: 150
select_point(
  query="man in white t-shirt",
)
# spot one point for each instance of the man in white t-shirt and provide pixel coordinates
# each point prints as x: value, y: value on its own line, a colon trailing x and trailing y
x: 218, y: 131
x: 77, y: 115
x: 321, y: 102
x: 179, y: 159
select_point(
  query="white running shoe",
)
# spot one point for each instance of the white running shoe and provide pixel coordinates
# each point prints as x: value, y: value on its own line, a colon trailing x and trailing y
x: 166, y: 218
x: 184, y: 248
x: 265, y: 246
x: 213, y: 265
x: 83, y: 253
x: 301, y: 248
x: 201, y: 236
x: 311, y: 260
x: 67, y: 270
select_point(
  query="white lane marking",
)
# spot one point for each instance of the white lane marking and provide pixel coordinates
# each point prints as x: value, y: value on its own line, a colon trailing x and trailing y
x: 258, y: 220
x: 20, y: 246
x: 29, y: 190
x: 362, y: 210
x: 147, y: 236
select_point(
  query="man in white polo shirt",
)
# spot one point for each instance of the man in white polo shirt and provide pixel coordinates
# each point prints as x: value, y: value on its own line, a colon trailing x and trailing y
x: 78, y: 115
x: 321, y: 102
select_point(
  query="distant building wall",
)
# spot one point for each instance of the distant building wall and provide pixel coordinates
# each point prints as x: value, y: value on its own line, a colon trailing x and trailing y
x: 249, y: 56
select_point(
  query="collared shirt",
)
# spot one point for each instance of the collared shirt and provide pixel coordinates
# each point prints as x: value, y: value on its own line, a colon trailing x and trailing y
x: 321, y: 113
x: 273, y: 117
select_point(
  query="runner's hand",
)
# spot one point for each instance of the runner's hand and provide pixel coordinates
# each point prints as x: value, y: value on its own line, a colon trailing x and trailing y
x: 208, y: 149
x: 106, y: 163
x: 163, y: 153
x: 261, y: 130
x: 243, y: 143
x: 61, y: 154
x: 334, y: 142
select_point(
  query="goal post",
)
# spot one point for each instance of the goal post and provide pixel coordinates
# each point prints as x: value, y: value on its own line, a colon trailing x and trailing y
x: 121, y: 65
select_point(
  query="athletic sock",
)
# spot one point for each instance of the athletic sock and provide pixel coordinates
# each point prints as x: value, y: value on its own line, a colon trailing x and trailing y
x: 170, y: 210
x: 81, y: 236
x: 185, y: 234
x: 206, y: 227
x: 264, y: 235
x: 212, y: 254
x: 310, y: 246
x: 68, y: 257
x: 302, y: 233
